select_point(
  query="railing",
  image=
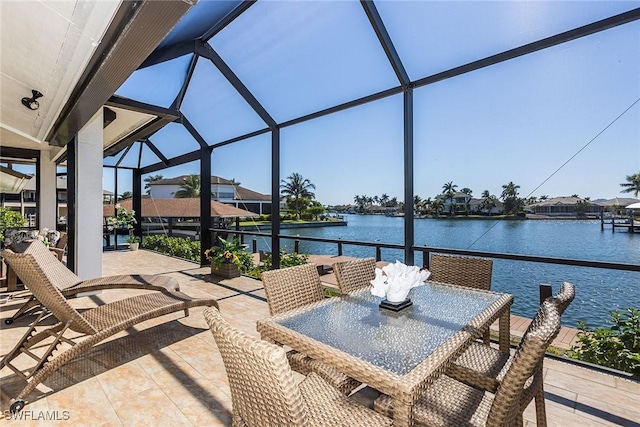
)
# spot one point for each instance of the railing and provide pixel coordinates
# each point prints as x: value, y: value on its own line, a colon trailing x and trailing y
x: 425, y: 250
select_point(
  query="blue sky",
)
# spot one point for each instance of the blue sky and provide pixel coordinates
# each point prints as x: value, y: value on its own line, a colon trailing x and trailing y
x: 517, y: 121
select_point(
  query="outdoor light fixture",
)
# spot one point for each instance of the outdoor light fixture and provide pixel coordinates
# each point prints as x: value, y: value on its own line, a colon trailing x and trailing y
x: 31, y: 103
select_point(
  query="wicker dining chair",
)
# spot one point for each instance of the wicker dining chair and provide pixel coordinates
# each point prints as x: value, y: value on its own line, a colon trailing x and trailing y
x: 95, y: 324
x: 264, y: 391
x: 71, y: 285
x: 448, y: 402
x: 355, y: 274
x: 470, y: 272
x: 60, y: 247
x: 485, y: 367
x: 291, y: 288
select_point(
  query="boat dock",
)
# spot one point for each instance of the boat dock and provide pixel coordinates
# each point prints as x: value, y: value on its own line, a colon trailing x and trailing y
x: 627, y: 224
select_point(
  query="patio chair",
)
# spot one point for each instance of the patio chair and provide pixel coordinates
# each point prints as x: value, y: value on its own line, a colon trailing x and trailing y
x: 354, y: 275
x: 94, y: 325
x: 71, y: 285
x: 470, y: 272
x: 288, y: 289
x: 264, y: 391
x: 484, y: 367
x: 60, y: 247
x: 448, y: 402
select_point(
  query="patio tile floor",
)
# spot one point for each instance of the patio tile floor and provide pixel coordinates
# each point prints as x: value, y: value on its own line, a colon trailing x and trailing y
x: 168, y: 371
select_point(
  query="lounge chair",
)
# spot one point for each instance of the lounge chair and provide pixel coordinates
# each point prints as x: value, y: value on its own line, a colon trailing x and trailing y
x: 264, y: 391
x: 71, y: 285
x: 354, y: 275
x: 95, y: 324
x: 448, y: 402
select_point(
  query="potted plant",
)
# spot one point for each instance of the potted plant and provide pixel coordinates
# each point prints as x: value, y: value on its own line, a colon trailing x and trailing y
x: 133, y: 241
x: 228, y: 259
x: 123, y: 219
x: 9, y: 220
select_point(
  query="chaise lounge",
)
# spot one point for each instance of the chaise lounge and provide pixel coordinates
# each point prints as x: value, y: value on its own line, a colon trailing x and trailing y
x: 71, y: 285
x: 95, y: 324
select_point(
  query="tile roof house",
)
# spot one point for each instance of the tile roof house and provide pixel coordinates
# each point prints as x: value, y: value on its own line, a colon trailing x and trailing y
x: 564, y: 206
x: 222, y: 190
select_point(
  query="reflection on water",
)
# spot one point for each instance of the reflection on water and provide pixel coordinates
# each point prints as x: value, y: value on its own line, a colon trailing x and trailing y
x: 598, y: 291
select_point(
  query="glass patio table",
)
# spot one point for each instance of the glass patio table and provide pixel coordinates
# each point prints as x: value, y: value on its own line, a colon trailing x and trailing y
x: 398, y: 353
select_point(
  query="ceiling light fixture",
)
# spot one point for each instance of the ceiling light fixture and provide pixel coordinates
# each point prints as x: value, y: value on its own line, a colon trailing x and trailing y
x: 31, y: 103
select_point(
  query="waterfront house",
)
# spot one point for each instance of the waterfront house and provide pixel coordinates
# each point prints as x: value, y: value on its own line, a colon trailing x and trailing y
x: 616, y: 205
x: 222, y: 190
x: 462, y: 202
x: 565, y: 206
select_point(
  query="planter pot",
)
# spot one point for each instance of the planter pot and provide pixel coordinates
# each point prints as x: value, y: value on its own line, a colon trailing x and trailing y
x: 227, y: 271
x: 134, y: 246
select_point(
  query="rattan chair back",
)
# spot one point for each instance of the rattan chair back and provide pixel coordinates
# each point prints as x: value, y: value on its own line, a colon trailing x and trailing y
x: 263, y: 389
x: 472, y: 272
x: 64, y: 277
x: 565, y: 296
x: 506, y: 407
x: 62, y: 241
x: 355, y: 274
x: 292, y: 287
x: 39, y: 269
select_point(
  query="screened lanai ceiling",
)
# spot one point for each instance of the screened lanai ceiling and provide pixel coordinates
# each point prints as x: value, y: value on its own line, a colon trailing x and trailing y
x: 235, y: 70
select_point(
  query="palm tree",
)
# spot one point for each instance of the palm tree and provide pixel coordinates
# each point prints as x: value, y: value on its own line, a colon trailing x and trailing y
x: 296, y: 187
x: 189, y: 188
x: 126, y: 195
x: 383, y: 199
x: 510, y: 198
x: 632, y: 185
x: 488, y: 201
x: 449, y: 190
x: 150, y: 179
x: 466, y: 191
x: 438, y: 205
x: 417, y: 202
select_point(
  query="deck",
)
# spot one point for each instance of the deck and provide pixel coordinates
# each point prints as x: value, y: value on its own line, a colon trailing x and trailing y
x: 168, y: 371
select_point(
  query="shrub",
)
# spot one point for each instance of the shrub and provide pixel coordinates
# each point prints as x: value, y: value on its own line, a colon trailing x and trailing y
x: 286, y: 260
x: 9, y: 219
x: 617, y: 347
x: 174, y: 246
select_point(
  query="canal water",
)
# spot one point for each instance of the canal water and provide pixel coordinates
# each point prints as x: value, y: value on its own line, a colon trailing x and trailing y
x: 599, y: 291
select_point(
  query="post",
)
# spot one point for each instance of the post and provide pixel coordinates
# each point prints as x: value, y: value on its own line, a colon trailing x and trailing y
x: 378, y: 253
x: 426, y: 259
x: 275, y: 196
x: 296, y: 246
x: 545, y: 292
x: 254, y: 246
x: 601, y: 220
x: 339, y: 248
